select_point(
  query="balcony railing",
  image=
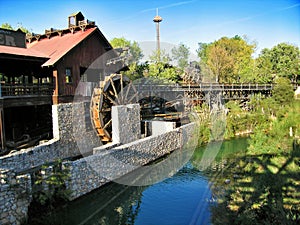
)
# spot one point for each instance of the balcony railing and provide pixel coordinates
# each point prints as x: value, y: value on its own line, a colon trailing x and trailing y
x: 13, y: 90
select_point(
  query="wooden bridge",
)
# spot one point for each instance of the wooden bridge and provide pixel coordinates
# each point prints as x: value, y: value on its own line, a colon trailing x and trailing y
x: 239, y: 91
x: 202, y: 90
x: 236, y: 91
x: 211, y: 93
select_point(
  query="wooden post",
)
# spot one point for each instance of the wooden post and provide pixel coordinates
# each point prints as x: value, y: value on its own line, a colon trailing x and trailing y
x: 55, y: 93
x: 2, y: 130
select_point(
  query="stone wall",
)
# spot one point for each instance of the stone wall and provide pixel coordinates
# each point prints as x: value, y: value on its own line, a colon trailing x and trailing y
x: 15, y: 197
x: 72, y: 127
x: 105, y: 165
x: 73, y: 136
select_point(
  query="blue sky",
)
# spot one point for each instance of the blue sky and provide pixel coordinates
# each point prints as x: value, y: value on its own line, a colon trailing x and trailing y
x: 184, y: 21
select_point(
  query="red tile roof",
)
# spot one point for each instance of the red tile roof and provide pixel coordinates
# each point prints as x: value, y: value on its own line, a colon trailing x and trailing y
x: 56, y: 47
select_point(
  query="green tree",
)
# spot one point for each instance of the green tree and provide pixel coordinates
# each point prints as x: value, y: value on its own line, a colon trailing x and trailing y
x: 263, y: 67
x: 201, y: 51
x: 134, y: 47
x: 136, y: 71
x: 161, y: 68
x: 220, y: 63
x: 20, y: 26
x: 283, y: 60
x: 6, y: 26
x: 283, y: 91
x: 181, y: 54
x: 230, y: 59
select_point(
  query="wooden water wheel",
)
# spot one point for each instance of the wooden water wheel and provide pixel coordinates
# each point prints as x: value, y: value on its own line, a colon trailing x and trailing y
x: 116, y: 89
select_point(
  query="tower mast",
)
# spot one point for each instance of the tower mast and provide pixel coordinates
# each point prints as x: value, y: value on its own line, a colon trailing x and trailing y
x: 157, y: 19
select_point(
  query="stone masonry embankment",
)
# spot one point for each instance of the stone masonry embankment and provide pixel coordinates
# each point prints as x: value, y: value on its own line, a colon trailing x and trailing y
x: 15, y: 197
x: 91, y: 172
x: 74, y: 136
x: 70, y: 121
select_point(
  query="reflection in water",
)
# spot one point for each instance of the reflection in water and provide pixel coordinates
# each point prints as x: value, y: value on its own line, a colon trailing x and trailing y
x: 184, y: 198
x: 112, y: 204
x: 261, y: 189
x: 181, y: 199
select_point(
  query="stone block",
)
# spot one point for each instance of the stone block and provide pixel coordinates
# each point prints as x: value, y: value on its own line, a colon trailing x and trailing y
x: 126, y: 125
x: 161, y: 127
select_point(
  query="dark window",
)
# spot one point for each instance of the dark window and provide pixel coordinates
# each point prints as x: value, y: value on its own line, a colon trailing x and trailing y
x: 68, y: 75
x: 83, y: 74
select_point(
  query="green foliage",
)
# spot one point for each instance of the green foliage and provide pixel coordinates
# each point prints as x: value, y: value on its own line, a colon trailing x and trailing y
x: 269, y: 119
x: 7, y: 26
x: 134, y: 47
x: 275, y: 136
x: 229, y: 59
x: 283, y: 91
x: 202, y: 51
x: 220, y: 63
x: 181, y: 54
x: 49, y: 188
x: 136, y: 71
x: 160, y: 56
x: 283, y: 60
x: 160, y: 67
x: 263, y: 70
x: 20, y: 26
x: 264, y: 187
x: 204, y: 123
x: 212, y: 124
x: 238, y: 120
x: 218, y: 126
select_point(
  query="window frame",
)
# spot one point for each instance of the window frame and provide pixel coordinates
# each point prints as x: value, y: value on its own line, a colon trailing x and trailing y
x: 68, y: 75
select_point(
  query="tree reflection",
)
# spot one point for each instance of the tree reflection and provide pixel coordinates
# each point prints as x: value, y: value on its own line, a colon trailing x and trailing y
x: 113, y: 204
x: 256, y: 189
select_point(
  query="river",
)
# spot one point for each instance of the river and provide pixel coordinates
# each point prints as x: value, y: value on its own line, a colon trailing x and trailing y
x: 184, y: 198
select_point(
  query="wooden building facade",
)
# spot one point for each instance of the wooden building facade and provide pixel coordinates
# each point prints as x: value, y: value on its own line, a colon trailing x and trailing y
x: 41, y: 70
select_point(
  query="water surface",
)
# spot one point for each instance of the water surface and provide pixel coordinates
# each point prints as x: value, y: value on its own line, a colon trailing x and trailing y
x: 184, y: 198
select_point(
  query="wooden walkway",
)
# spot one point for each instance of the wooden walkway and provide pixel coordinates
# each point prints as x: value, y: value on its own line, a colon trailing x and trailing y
x: 229, y: 87
x: 205, y: 91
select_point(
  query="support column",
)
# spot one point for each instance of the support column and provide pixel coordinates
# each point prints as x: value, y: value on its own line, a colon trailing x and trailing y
x: 2, y: 129
x: 55, y: 92
x: 126, y: 125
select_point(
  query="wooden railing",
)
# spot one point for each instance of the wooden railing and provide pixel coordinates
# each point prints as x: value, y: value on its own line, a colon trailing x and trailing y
x: 207, y: 87
x: 231, y: 87
x: 7, y: 90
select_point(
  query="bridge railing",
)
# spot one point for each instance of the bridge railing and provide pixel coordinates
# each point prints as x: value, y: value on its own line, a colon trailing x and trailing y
x: 208, y: 87
x: 228, y: 87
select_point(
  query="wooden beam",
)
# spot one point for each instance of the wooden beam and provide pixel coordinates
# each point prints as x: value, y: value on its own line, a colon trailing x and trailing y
x: 2, y: 129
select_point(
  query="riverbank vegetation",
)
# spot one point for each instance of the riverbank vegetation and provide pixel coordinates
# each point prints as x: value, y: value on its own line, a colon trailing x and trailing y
x: 273, y: 116
x: 262, y: 185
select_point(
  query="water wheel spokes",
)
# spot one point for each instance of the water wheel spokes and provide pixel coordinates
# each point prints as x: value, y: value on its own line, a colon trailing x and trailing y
x: 116, y: 89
